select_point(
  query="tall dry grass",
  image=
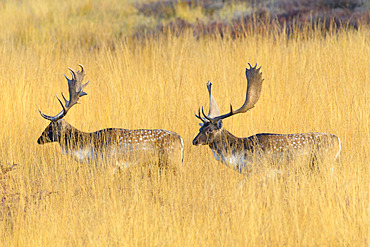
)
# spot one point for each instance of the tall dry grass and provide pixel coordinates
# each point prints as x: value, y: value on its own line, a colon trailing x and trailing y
x: 312, y: 83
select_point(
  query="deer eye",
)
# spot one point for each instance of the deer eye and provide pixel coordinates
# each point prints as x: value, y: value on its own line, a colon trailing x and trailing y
x: 208, y: 131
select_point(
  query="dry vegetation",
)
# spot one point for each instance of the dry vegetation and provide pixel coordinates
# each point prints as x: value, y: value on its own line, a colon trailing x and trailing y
x: 312, y: 83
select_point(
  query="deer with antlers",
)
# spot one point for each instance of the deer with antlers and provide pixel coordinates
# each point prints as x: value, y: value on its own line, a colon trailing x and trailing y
x: 125, y: 147
x: 242, y: 153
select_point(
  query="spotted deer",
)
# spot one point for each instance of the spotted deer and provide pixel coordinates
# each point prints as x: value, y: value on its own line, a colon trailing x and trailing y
x: 123, y: 146
x: 242, y: 153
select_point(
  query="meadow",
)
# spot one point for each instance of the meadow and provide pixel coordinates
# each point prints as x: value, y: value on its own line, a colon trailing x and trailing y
x: 313, y: 82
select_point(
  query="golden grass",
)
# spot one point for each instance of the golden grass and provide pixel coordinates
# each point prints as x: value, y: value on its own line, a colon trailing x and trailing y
x: 311, y: 84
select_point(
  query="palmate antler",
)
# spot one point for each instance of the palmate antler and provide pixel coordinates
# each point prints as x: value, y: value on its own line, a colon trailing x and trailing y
x: 213, y: 107
x: 254, y: 87
x: 75, y: 88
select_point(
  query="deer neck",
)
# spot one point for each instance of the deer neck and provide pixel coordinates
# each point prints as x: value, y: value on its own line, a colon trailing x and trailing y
x: 225, y: 140
x: 72, y: 139
x: 225, y: 145
x: 231, y: 150
x: 79, y: 145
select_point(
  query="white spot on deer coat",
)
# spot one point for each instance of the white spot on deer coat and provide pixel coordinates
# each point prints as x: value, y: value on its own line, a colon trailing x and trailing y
x: 217, y: 157
x: 82, y: 154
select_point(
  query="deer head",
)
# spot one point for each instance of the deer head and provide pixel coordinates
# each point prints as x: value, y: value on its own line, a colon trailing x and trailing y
x: 55, y: 132
x: 208, y: 131
x: 212, y: 127
x: 58, y: 126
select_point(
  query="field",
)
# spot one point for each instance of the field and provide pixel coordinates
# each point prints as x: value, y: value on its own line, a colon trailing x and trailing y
x: 313, y: 82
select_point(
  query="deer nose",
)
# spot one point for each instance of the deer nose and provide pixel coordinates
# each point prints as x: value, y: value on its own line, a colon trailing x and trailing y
x: 40, y: 141
x: 195, y: 142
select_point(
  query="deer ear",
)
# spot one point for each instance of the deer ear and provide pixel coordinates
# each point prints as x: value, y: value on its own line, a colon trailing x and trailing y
x: 219, y: 124
x: 201, y: 124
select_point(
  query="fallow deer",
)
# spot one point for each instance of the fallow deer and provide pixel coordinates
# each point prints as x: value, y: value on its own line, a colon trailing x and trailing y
x: 243, y: 153
x: 123, y: 146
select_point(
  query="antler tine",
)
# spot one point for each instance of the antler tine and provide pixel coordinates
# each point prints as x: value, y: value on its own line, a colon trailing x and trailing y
x: 61, y: 101
x: 75, y: 89
x: 65, y: 100
x: 198, y: 116
x: 73, y: 73
x: 205, y: 114
x: 254, y: 87
x: 82, y: 68
x: 213, y: 107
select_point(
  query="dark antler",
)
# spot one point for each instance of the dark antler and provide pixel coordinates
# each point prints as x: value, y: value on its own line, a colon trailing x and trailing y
x: 254, y: 87
x: 75, y: 88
